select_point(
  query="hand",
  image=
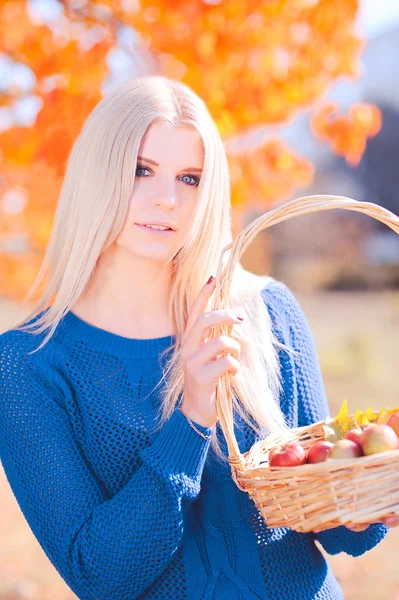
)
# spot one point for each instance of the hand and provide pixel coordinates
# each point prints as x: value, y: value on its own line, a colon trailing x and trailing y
x: 392, y: 521
x: 203, y: 361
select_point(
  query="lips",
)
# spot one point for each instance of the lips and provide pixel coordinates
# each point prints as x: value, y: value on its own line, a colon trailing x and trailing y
x: 161, y: 232
x: 157, y: 228
x: 156, y: 225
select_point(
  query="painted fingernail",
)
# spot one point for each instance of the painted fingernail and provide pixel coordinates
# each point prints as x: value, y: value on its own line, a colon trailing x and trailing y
x: 211, y: 278
x: 240, y: 317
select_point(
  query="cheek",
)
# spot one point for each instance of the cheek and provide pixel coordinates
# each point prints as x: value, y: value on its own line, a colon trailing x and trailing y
x: 133, y: 212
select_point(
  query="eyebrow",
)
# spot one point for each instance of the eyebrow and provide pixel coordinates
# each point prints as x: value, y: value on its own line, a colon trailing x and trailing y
x: 157, y: 164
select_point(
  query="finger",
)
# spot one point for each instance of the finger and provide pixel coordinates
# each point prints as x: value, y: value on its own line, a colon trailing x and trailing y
x: 227, y: 364
x: 392, y: 521
x: 318, y: 529
x: 359, y: 527
x: 199, y: 333
x: 212, y: 319
x: 199, y: 305
x: 214, y: 349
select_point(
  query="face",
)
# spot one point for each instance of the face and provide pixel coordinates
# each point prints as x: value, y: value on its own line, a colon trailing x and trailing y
x: 169, y: 164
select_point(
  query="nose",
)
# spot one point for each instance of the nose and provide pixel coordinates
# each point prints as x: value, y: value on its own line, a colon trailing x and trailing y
x: 166, y: 201
x: 166, y: 196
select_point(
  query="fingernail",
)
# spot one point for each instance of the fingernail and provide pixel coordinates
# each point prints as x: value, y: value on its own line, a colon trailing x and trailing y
x: 211, y: 278
x: 240, y: 317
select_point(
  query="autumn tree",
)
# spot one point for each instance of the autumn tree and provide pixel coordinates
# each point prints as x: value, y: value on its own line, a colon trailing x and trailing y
x: 255, y: 64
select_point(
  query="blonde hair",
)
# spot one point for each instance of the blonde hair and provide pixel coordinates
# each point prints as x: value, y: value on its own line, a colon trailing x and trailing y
x: 91, y: 212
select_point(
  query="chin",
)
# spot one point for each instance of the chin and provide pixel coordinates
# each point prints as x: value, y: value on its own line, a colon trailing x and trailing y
x: 149, y: 253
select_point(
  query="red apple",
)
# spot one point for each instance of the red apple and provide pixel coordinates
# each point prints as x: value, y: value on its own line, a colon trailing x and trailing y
x: 393, y: 422
x: 274, y: 450
x: 319, y: 451
x: 379, y: 438
x: 356, y: 435
x: 345, y: 449
x: 291, y: 455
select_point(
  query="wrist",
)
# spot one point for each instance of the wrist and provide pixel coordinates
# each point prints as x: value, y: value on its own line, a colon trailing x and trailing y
x: 197, y: 420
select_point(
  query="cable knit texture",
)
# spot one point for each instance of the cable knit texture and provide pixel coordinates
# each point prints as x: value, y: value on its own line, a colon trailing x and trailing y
x: 124, y: 511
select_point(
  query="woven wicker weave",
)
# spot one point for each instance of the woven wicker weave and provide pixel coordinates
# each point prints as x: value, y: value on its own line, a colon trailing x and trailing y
x: 321, y: 495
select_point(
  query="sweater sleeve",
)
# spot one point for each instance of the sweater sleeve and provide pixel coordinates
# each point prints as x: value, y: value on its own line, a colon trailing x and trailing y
x: 312, y: 407
x: 102, y: 547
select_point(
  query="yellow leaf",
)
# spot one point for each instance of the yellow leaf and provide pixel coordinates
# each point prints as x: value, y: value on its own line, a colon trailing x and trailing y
x: 342, y: 423
x: 343, y: 412
x: 343, y: 419
x: 385, y: 414
x: 383, y: 417
x: 368, y: 413
x: 363, y: 420
x: 358, y: 416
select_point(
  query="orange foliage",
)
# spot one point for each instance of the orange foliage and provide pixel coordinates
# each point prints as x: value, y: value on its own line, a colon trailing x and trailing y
x: 261, y: 176
x: 254, y: 63
x: 347, y: 135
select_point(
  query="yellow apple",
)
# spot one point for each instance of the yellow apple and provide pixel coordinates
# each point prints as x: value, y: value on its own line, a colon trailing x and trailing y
x: 380, y: 438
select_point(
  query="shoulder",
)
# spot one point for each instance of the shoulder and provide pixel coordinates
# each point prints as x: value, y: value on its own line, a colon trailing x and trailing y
x: 19, y: 341
x: 278, y: 295
x: 282, y: 300
x: 21, y: 366
x: 288, y: 314
x: 282, y: 303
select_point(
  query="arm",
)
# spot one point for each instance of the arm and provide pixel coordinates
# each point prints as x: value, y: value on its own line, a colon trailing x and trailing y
x: 102, y: 547
x: 312, y: 407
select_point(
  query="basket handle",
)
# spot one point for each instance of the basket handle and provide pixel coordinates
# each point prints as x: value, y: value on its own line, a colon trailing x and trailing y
x: 288, y: 210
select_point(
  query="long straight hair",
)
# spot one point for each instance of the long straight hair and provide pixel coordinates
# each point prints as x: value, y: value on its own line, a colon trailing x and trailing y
x: 91, y: 211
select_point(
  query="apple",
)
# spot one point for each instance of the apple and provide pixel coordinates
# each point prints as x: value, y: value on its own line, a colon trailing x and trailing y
x: 364, y: 427
x: 356, y: 435
x: 319, y: 451
x: 291, y: 455
x: 274, y: 450
x: 393, y: 422
x: 379, y: 438
x: 345, y: 449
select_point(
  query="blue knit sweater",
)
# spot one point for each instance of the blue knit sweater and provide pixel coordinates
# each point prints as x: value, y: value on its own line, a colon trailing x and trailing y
x: 123, y: 512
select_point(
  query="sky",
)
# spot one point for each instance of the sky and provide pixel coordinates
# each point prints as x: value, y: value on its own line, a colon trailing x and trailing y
x: 375, y: 16
x: 378, y: 16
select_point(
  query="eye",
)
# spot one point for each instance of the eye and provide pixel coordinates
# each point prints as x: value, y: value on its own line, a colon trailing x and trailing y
x: 140, y: 168
x: 196, y: 179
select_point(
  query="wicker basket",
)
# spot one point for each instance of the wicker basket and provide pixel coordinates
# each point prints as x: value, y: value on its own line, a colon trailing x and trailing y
x: 322, y: 495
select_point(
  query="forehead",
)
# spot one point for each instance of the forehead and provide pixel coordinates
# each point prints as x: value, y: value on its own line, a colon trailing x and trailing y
x: 172, y: 145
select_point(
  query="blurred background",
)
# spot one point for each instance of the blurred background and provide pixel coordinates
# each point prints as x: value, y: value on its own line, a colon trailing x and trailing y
x: 304, y: 93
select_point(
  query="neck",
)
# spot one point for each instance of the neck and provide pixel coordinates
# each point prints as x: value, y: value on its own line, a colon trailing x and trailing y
x: 130, y: 306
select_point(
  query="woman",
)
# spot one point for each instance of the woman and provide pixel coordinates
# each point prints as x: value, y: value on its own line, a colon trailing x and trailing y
x: 110, y: 440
